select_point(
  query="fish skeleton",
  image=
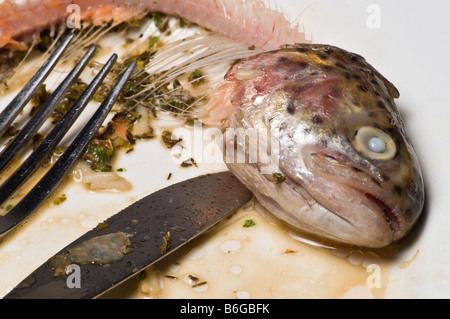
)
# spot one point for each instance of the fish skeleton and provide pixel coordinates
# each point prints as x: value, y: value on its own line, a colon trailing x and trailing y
x: 265, y: 28
x: 347, y: 170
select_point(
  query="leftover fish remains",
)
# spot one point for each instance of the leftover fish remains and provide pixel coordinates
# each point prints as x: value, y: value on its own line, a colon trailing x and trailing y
x: 344, y: 167
x: 341, y: 166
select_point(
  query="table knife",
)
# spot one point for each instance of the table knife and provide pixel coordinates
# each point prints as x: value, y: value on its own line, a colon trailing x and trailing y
x: 135, y: 238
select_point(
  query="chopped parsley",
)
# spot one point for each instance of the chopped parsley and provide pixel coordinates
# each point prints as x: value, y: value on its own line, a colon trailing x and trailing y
x: 277, y: 178
x: 168, y: 139
x: 152, y: 42
x: 141, y: 276
x: 99, y: 154
x: 189, y: 162
x: 101, y: 226
x: 249, y: 223
x: 199, y: 284
x: 61, y: 199
x: 196, y: 77
x: 166, y: 245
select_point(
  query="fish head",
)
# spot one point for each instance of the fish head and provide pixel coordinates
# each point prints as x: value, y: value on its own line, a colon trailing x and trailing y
x: 350, y: 171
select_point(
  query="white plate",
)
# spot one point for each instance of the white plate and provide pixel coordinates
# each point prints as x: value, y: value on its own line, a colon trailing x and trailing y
x: 407, y: 44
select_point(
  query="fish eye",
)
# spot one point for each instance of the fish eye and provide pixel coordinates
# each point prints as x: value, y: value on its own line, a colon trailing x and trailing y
x: 375, y: 143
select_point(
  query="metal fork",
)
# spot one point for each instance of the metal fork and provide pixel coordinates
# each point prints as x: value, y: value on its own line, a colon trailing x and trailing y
x: 32, y: 200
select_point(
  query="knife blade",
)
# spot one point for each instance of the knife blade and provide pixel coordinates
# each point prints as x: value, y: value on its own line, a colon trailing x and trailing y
x: 135, y: 238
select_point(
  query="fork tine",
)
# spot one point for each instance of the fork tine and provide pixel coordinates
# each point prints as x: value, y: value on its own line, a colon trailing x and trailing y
x: 41, y: 115
x: 23, y: 97
x: 31, y: 163
x: 55, y: 174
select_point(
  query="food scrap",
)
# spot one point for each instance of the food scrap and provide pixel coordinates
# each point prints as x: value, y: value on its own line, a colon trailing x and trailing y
x: 169, y: 139
x: 99, y: 250
x: 60, y: 199
x: 277, y: 178
x: 188, y: 163
x: 249, y: 223
x: 167, y: 242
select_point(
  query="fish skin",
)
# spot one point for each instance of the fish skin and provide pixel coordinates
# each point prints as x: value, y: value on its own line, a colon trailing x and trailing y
x: 312, y: 99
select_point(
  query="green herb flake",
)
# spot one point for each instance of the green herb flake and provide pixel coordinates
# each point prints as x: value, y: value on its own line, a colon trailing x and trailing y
x: 9, y: 207
x: 174, y: 103
x: 39, y: 98
x: 277, y: 178
x: 193, y: 278
x: 140, y: 64
x: 249, y: 223
x: 152, y: 42
x: 155, y: 17
x: 160, y: 20
x: 134, y: 22
x: 196, y: 77
x: 101, y: 226
x: 140, y: 276
x: 190, y: 162
x: 199, y: 284
x: 61, y: 199
x: 183, y: 23
x: 99, y: 154
x: 102, y: 154
x: 166, y: 245
x: 68, y: 100
x: 190, y: 121
x: 169, y: 140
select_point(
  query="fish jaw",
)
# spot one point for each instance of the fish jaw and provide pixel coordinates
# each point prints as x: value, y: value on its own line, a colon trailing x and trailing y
x: 292, y: 204
x: 351, y: 191
x: 379, y: 212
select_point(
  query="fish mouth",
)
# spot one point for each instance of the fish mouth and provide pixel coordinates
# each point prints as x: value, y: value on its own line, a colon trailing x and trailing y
x: 389, y: 213
x: 350, y: 176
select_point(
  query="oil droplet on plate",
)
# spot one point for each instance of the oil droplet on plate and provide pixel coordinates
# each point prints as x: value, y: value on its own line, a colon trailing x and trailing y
x: 243, y: 295
x: 190, y: 279
x: 195, y: 253
x: 355, y: 258
x: 200, y: 287
x: 231, y: 246
x: 236, y: 270
x: 174, y: 267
